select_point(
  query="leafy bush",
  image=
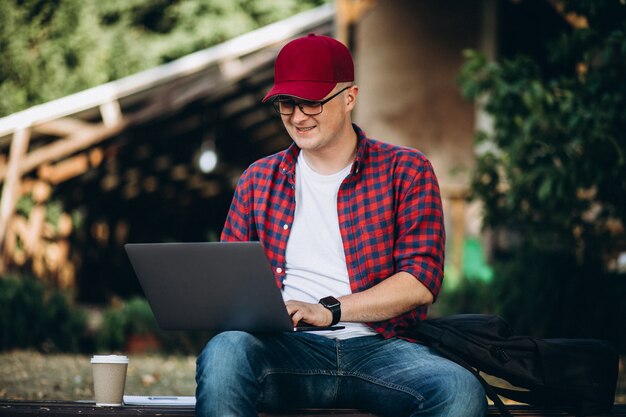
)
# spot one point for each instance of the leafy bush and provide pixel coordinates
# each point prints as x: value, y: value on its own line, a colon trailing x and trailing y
x: 552, y: 174
x: 32, y: 316
x: 123, y: 319
x: 134, y: 317
x: 554, y: 166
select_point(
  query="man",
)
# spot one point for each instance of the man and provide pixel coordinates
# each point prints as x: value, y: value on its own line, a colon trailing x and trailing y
x: 353, y: 229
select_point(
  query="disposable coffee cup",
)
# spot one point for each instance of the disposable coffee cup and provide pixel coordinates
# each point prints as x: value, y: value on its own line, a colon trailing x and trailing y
x: 109, y: 379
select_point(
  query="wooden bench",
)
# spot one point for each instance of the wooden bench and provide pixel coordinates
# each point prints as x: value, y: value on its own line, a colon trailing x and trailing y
x: 85, y: 408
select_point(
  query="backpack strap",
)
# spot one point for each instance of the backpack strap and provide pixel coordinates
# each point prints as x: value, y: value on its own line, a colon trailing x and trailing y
x: 491, y: 393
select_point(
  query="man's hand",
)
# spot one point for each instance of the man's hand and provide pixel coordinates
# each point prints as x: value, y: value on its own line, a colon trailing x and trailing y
x: 313, y: 314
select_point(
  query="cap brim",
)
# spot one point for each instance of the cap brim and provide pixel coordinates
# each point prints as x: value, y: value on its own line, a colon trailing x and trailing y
x: 307, y: 90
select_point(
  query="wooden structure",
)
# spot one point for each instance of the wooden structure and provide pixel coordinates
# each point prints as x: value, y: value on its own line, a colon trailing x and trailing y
x: 70, y: 409
x: 139, y: 136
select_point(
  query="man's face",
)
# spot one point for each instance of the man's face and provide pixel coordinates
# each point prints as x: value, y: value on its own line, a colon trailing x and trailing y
x: 323, y: 131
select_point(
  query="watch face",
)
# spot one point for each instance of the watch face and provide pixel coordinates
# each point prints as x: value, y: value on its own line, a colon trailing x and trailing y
x: 330, y: 302
x: 334, y: 306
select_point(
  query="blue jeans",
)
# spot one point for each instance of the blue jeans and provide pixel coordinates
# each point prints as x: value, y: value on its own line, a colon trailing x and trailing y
x: 239, y: 373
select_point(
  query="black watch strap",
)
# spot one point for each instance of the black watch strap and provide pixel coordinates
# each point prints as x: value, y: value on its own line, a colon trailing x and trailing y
x: 334, y: 306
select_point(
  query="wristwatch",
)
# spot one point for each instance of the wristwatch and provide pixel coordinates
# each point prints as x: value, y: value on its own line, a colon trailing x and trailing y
x: 334, y: 306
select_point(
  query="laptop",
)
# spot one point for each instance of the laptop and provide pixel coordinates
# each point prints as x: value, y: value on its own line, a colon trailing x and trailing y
x: 213, y: 286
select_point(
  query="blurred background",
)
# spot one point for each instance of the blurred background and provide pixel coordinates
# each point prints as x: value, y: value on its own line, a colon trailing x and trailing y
x: 131, y: 121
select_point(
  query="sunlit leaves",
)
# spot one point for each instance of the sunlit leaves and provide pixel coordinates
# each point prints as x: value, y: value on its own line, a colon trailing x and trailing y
x: 52, y: 48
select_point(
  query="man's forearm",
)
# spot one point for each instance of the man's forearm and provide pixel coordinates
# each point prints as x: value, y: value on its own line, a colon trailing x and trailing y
x: 390, y: 298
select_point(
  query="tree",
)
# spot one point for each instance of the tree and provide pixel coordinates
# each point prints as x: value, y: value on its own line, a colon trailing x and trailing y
x: 553, y: 169
x: 52, y: 48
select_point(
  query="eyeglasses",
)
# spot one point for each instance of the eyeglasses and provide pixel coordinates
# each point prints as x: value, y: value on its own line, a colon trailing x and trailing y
x: 286, y: 107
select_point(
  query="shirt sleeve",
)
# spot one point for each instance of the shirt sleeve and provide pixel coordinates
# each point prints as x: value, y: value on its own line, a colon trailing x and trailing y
x: 239, y: 225
x: 420, y: 243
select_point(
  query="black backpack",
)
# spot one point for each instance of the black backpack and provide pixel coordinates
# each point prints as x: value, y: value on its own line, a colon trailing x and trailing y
x: 579, y: 375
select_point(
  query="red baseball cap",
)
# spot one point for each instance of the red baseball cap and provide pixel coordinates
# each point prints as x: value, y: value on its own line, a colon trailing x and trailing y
x: 310, y: 67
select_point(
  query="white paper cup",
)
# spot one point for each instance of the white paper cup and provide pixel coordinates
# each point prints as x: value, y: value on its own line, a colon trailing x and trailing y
x: 109, y: 379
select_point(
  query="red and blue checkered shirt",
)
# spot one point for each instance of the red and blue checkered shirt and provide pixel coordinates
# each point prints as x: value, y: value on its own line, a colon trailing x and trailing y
x: 390, y: 218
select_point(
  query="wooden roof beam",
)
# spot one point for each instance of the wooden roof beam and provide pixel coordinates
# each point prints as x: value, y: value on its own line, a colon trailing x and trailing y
x: 64, y: 147
x: 63, y: 127
x: 70, y: 167
x: 11, y: 187
x: 111, y: 113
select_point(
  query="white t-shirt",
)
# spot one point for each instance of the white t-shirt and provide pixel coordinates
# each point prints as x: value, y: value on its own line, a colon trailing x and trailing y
x: 316, y: 263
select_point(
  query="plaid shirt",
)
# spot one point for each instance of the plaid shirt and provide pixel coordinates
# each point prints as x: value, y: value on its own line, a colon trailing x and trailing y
x: 390, y: 218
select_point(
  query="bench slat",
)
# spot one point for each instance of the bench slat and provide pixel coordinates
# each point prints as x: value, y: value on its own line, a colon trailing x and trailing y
x: 87, y: 408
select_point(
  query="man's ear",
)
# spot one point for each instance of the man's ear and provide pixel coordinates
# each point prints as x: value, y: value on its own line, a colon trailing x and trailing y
x: 350, y: 97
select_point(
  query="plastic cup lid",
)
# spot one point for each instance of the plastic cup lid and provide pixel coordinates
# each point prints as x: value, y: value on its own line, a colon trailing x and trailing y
x: 109, y: 359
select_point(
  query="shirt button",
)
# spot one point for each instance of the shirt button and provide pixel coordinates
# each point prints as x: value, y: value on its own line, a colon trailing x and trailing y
x: 279, y: 270
x: 285, y: 226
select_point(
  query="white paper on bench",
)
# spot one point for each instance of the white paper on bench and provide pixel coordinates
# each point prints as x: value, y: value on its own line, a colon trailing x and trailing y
x: 161, y: 400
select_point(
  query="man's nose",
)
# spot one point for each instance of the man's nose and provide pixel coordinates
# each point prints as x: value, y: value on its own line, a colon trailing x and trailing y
x: 298, y: 114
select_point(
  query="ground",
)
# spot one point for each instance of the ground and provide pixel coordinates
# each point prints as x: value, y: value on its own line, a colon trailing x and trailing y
x: 27, y: 375
x: 35, y: 376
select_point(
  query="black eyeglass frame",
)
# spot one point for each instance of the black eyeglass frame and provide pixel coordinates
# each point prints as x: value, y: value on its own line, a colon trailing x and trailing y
x: 276, y: 104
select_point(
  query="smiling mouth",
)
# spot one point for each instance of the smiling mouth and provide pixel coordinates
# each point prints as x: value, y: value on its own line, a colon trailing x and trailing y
x: 305, y: 129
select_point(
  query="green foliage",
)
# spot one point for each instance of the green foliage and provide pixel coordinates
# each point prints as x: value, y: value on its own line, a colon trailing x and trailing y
x: 135, y: 317
x: 32, y: 316
x: 552, y: 174
x: 52, y: 48
x: 123, y: 319
x: 554, y: 166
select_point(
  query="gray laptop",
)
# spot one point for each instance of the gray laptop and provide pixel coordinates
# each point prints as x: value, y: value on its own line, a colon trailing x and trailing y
x: 211, y: 286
